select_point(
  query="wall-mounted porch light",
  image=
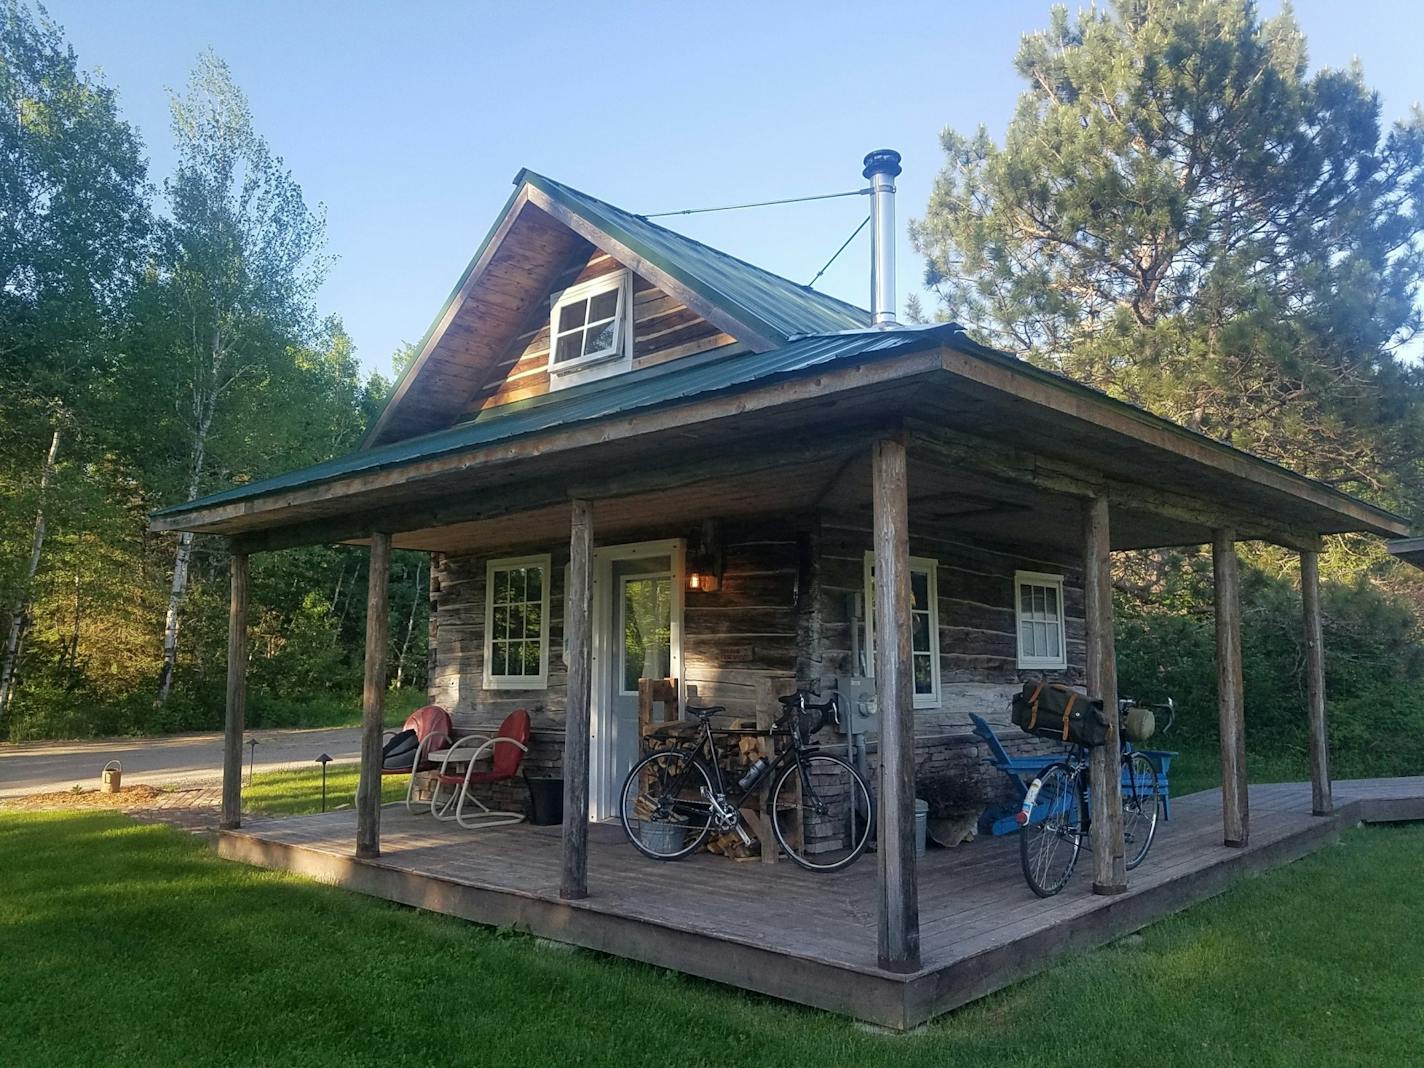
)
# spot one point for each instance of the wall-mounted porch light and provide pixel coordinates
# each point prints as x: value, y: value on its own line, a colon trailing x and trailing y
x: 704, y: 565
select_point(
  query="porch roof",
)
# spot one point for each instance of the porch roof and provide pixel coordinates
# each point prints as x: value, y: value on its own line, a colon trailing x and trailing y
x: 823, y: 387
x: 1410, y: 550
x: 693, y: 377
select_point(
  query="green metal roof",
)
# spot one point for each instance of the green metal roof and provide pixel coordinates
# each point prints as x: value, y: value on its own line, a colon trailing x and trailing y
x: 673, y: 382
x: 781, y: 307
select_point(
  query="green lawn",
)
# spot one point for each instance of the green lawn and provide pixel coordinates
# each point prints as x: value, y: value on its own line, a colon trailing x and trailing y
x: 1198, y: 767
x: 268, y: 712
x: 128, y: 943
x: 290, y: 793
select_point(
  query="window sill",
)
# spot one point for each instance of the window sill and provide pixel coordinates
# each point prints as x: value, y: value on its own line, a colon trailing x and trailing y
x: 520, y: 682
x: 583, y: 363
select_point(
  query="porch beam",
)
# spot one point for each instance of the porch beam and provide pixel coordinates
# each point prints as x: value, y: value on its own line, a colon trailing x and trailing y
x: 1109, y: 851
x: 236, y: 693
x: 756, y: 456
x: 899, y: 908
x: 1027, y: 469
x: 1322, y: 803
x: 1229, y: 688
x: 578, y: 632
x: 373, y: 699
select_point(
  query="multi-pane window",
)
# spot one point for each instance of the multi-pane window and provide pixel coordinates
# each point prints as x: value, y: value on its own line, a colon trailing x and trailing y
x: 588, y: 325
x: 924, y: 627
x: 516, y: 623
x: 1038, y: 604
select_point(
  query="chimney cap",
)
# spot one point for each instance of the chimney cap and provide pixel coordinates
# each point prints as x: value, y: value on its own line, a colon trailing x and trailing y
x: 882, y: 161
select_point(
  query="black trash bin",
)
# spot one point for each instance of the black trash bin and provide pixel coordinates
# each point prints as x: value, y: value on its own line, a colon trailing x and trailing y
x: 546, y: 801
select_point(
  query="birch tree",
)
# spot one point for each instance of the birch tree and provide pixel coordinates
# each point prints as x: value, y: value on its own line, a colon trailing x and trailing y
x: 73, y: 226
x: 241, y: 259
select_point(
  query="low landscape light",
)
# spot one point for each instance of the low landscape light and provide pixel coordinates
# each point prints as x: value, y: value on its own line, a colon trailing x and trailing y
x: 323, y: 760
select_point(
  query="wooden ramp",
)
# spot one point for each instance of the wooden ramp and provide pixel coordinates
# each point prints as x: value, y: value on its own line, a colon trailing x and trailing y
x: 805, y: 937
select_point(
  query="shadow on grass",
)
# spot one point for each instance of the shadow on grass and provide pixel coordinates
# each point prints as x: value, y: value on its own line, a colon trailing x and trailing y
x: 128, y: 943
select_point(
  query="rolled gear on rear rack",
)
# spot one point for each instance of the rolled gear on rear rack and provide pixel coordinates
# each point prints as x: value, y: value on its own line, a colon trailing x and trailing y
x: 1053, y: 710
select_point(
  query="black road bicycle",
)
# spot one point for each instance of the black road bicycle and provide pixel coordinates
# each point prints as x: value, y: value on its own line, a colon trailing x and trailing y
x: 821, y: 808
x: 1057, y: 818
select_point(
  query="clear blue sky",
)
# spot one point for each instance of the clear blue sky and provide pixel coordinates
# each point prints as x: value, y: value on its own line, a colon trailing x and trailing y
x: 409, y: 120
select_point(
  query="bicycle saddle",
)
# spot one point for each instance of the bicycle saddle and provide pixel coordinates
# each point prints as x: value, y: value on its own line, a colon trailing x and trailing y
x: 704, y: 712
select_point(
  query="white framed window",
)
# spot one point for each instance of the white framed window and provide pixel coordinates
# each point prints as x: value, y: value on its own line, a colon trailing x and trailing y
x: 517, y: 623
x: 924, y: 626
x: 591, y: 330
x: 1038, y: 611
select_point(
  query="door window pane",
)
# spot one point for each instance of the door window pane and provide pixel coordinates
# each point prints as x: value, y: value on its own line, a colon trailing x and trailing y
x: 647, y: 630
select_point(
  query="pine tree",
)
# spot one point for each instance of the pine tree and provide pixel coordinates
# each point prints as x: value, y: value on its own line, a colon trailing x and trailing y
x: 1181, y: 215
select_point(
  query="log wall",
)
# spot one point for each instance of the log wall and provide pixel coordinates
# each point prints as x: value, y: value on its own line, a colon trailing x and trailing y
x: 782, y: 610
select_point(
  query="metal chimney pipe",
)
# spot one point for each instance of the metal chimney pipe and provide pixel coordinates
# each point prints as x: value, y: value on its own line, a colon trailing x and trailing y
x: 881, y: 167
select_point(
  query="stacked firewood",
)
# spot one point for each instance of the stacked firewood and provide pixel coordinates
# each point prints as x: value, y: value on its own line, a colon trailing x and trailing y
x: 748, y: 750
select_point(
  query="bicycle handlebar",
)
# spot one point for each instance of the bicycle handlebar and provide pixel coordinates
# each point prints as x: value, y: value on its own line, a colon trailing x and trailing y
x: 1169, y: 706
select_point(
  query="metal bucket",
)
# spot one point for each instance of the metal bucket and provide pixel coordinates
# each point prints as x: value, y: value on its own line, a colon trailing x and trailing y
x: 110, y: 779
x: 922, y: 825
x: 662, y: 837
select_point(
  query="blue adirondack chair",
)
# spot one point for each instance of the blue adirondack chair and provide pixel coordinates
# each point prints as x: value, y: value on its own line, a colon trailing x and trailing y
x: 999, y: 819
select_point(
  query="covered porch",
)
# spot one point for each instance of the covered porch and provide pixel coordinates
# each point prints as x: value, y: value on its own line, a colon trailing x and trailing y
x: 804, y: 937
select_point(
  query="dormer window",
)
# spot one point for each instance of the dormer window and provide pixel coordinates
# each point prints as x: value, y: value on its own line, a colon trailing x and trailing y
x: 590, y: 330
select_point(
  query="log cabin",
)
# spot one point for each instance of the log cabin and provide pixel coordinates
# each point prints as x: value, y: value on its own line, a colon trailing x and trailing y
x: 633, y: 456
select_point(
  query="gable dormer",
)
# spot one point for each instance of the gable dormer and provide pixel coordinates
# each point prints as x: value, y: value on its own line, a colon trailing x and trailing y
x: 567, y: 290
x: 599, y: 319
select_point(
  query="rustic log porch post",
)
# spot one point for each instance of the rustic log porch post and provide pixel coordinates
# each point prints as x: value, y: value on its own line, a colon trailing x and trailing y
x: 894, y: 695
x: 373, y: 700
x: 1229, y: 689
x: 236, y: 694
x: 1109, y: 852
x: 1322, y: 802
x: 578, y: 634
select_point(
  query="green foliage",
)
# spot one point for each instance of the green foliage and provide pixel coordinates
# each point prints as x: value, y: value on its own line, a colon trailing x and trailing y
x: 1374, y: 663
x: 173, y: 351
x: 169, y: 948
x: 1182, y: 216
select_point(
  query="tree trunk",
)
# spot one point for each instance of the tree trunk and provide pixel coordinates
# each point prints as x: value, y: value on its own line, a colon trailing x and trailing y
x: 19, y: 614
x: 181, y: 559
x: 409, y: 628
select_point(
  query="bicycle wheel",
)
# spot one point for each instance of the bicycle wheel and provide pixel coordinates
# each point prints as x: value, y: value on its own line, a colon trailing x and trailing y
x: 666, y: 804
x: 821, y: 813
x: 1141, y: 802
x: 1049, y: 846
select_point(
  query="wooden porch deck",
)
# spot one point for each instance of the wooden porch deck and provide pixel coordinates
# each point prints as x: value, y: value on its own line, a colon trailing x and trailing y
x: 804, y: 937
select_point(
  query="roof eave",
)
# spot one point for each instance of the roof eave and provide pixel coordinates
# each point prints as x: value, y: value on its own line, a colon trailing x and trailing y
x: 1381, y: 521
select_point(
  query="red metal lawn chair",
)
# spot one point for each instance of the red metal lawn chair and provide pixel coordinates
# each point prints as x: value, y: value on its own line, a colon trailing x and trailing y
x: 506, y: 750
x: 432, y: 731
